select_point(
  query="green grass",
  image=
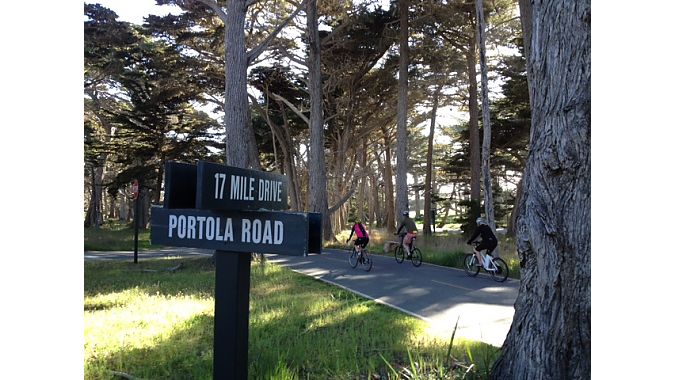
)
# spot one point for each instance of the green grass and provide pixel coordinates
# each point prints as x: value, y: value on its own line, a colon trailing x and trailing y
x: 116, y: 236
x: 159, y: 325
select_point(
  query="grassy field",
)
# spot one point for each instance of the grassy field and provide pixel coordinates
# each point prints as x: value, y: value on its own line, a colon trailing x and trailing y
x: 145, y: 322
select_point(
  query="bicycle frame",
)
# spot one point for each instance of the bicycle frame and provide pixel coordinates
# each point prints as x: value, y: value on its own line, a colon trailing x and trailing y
x: 495, y: 266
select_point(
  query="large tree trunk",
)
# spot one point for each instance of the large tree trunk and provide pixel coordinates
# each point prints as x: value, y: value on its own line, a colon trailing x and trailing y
x: 363, y: 179
x: 550, y: 337
x: 96, y: 216
x: 390, y: 218
x: 402, y: 106
x: 486, y: 118
x: 526, y: 10
x: 474, y: 140
x: 511, y: 228
x: 318, y: 196
x: 236, y: 105
x: 416, y: 195
x: 376, y: 210
x: 427, y: 221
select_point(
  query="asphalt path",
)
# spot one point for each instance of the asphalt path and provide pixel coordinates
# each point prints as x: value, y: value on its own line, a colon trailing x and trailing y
x: 441, y: 296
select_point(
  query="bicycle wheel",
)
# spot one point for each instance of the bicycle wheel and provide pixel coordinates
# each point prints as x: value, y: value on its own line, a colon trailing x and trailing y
x: 366, y: 262
x: 353, y: 258
x: 416, y: 257
x: 499, y: 270
x: 399, y: 254
x: 469, y: 264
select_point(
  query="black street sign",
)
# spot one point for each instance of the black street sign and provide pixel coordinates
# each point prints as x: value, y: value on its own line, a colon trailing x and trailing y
x: 220, y: 207
x: 285, y: 233
x: 221, y: 187
x: 179, y: 185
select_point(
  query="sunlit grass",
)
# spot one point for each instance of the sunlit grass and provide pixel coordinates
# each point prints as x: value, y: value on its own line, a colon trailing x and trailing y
x: 159, y: 325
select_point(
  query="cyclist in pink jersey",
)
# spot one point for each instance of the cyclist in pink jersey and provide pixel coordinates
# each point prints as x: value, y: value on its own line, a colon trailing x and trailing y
x: 362, y: 236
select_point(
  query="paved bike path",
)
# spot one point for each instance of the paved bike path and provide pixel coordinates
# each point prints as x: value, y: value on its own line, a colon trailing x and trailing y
x: 438, y: 295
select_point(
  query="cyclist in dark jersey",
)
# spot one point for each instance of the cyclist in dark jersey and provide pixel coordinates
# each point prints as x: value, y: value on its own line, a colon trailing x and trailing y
x: 407, y: 225
x: 362, y: 236
x: 488, y: 240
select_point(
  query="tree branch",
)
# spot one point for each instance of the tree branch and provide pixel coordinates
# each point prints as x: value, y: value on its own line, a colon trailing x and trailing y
x: 344, y: 199
x: 293, y: 108
x: 256, y: 51
x: 214, y: 6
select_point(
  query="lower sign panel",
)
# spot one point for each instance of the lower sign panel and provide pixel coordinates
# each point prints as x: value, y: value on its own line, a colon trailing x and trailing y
x: 283, y: 233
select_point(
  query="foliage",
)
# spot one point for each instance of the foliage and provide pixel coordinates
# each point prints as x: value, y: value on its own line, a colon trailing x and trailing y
x: 140, y: 112
x: 146, y: 87
x: 468, y: 220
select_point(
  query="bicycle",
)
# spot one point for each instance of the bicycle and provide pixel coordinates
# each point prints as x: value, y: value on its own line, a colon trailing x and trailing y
x: 497, y: 267
x: 400, y: 252
x: 362, y: 258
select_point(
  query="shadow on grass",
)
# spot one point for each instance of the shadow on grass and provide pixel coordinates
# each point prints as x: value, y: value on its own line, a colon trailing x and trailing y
x: 299, y: 327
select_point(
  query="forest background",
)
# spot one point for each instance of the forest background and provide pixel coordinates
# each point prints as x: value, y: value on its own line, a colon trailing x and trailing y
x: 136, y: 121
x: 42, y: 162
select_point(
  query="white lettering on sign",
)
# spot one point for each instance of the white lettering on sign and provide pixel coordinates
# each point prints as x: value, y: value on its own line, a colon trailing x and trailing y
x: 269, y: 190
x: 220, y: 185
x: 200, y: 227
x: 262, y: 231
x: 254, y: 231
x: 241, y: 188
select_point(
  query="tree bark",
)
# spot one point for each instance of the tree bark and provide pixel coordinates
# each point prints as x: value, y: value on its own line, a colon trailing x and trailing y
x: 236, y: 104
x: 526, y: 10
x: 402, y: 106
x: 374, y: 203
x: 550, y: 337
x: 486, y: 118
x: 511, y: 228
x: 416, y: 195
x: 362, y: 181
x: 474, y: 140
x: 427, y: 221
x: 317, y: 166
x: 390, y: 218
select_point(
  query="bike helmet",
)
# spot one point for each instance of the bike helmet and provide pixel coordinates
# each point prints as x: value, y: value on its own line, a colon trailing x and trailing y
x: 480, y: 221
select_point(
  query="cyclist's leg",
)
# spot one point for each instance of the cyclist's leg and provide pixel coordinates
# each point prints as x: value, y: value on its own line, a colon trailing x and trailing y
x: 360, y: 243
x: 478, y: 255
x: 407, y: 244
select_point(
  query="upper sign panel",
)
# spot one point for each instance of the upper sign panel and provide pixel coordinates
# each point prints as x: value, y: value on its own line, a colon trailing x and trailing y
x: 221, y: 187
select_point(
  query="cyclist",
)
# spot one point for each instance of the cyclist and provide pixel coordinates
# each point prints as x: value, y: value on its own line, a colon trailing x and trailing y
x: 409, y: 225
x: 488, y: 240
x: 362, y: 236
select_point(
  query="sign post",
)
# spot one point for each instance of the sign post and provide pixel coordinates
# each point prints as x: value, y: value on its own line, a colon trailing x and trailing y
x: 134, y: 192
x: 233, y: 211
